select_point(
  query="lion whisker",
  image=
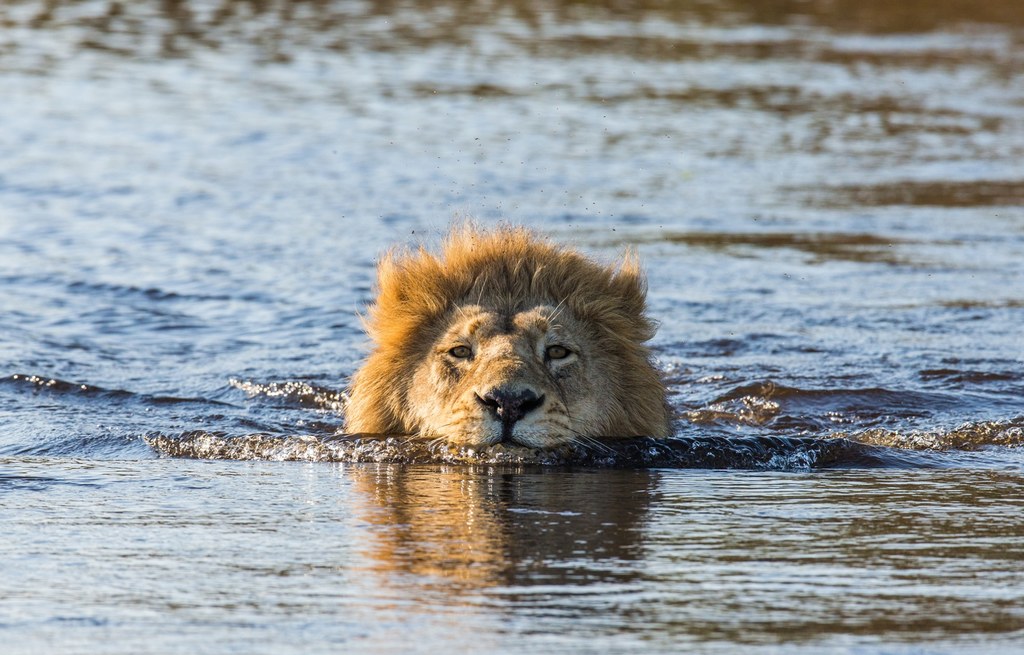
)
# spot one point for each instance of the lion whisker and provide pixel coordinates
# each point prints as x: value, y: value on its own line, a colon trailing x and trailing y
x: 582, y: 439
x: 588, y: 442
x: 434, y: 443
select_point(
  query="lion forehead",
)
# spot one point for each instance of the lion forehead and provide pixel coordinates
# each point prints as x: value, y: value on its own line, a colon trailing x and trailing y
x: 481, y: 323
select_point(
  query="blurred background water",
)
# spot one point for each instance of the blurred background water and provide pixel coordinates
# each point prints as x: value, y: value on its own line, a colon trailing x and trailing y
x: 829, y: 200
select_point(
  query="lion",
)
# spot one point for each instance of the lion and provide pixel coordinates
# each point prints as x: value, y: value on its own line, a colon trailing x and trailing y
x: 506, y: 337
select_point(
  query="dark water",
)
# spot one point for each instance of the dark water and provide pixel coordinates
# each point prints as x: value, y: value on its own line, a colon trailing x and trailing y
x: 829, y: 200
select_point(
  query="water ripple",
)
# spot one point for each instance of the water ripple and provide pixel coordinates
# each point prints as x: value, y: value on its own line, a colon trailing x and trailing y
x: 867, y: 450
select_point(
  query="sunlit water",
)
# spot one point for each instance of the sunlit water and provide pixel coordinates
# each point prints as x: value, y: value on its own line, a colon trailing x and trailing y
x: 829, y: 201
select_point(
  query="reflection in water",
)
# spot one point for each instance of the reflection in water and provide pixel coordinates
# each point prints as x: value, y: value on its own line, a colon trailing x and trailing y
x: 458, y: 530
x: 892, y: 556
x: 702, y: 557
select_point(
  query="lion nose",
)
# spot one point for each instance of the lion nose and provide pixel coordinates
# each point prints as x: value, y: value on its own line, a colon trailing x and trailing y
x: 510, y: 406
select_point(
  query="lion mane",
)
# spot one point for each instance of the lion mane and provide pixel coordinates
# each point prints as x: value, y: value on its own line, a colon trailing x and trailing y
x: 507, y: 271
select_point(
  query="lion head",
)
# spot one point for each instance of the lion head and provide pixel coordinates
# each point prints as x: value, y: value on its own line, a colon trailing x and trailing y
x: 507, y: 337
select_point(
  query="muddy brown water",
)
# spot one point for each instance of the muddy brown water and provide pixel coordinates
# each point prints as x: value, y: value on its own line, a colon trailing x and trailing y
x: 829, y: 201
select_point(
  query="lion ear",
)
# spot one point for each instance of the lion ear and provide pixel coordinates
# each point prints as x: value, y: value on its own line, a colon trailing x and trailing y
x: 630, y: 283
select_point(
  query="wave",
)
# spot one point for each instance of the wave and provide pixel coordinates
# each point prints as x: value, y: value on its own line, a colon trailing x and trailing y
x: 41, y: 384
x: 157, y: 294
x: 779, y: 407
x: 710, y: 452
x: 966, y: 437
x: 294, y: 393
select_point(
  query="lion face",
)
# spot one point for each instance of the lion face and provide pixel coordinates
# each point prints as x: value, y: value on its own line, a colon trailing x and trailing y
x: 506, y: 337
x: 493, y: 377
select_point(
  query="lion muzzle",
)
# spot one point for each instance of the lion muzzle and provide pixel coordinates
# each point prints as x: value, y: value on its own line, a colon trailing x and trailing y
x: 509, y: 405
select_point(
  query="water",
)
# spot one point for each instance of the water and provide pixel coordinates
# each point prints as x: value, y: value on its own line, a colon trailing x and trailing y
x: 829, y: 201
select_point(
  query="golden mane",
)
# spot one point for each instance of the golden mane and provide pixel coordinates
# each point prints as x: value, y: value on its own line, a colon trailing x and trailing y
x: 507, y: 269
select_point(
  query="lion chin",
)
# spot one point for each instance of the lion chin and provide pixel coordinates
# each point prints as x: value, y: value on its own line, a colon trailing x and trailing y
x: 504, y: 337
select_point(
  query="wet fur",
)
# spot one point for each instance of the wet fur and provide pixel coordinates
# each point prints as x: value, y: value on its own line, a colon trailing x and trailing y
x: 509, y: 286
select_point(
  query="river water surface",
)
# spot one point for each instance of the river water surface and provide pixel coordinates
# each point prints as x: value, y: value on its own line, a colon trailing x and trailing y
x: 828, y: 197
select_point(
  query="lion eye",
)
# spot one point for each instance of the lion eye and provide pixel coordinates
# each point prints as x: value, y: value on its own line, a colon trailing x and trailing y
x: 557, y: 352
x: 461, y: 352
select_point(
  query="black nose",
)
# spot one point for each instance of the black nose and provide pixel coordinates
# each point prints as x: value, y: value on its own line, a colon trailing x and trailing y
x: 510, y: 406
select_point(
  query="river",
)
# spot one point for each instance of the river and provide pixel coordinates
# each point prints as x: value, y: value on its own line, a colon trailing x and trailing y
x: 827, y: 196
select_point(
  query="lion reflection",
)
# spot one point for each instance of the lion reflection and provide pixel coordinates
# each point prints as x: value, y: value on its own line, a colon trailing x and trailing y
x: 467, y: 528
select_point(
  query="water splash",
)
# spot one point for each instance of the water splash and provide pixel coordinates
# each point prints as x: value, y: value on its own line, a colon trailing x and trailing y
x: 294, y: 393
x: 712, y: 452
x: 966, y: 437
